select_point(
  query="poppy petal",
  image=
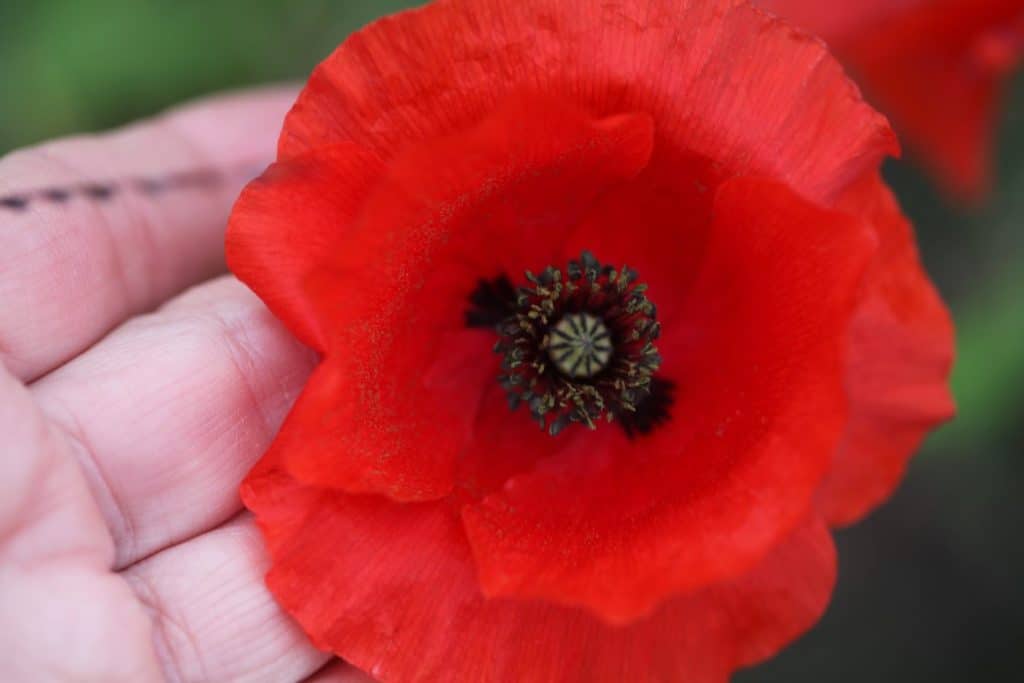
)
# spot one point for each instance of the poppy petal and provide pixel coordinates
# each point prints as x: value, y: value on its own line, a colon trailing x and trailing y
x: 724, y: 80
x: 657, y: 224
x: 403, y: 378
x: 901, y: 351
x: 937, y: 68
x: 391, y: 588
x: 504, y: 443
x: 292, y: 218
x: 944, y: 98
x: 617, y: 525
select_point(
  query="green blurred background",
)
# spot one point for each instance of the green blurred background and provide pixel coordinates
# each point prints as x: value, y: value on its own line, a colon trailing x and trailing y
x: 930, y: 586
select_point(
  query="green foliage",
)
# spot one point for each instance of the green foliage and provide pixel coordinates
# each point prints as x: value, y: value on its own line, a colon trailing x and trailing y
x: 72, y: 66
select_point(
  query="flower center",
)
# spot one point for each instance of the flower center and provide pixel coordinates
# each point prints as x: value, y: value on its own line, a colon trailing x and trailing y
x: 577, y: 345
x: 580, y: 345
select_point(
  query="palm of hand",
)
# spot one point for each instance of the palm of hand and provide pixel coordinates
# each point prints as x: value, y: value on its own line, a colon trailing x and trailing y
x: 124, y: 551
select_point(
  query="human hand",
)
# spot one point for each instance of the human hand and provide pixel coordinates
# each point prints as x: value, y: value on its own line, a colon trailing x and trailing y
x: 129, y: 411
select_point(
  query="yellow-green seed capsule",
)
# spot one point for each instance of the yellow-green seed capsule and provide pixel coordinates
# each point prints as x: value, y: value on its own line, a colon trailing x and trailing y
x: 581, y: 345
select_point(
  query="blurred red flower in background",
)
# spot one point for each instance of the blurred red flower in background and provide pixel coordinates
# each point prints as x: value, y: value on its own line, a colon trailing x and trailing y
x: 936, y: 67
x: 783, y: 359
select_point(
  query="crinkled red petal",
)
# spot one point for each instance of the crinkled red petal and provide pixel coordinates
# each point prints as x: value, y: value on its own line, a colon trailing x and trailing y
x: 722, y: 80
x: 936, y: 67
x: 290, y: 220
x: 756, y: 354
x: 392, y: 589
x: 900, y: 354
x: 395, y: 403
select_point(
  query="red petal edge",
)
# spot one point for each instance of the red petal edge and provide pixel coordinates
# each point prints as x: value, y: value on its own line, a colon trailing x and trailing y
x: 392, y: 589
x: 900, y: 355
x: 292, y: 219
x: 938, y: 68
x: 722, y: 80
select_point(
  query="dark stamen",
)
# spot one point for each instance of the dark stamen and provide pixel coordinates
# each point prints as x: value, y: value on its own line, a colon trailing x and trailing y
x: 492, y: 302
x: 652, y: 411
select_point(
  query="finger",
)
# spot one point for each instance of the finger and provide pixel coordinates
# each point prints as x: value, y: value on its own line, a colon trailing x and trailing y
x: 54, y: 562
x: 168, y: 413
x: 96, y: 228
x: 214, y: 618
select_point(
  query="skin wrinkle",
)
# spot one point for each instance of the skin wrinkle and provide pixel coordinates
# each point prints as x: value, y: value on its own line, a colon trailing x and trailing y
x: 104, y: 225
x: 37, y: 478
x: 239, y: 346
x: 231, y: 558
x: 66, y: 564
x: 72, y: 430
x: 221, y: 327
x: 163, y: 622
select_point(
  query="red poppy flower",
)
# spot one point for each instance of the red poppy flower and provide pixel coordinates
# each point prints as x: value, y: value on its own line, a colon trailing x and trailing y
x: 937, y: 67
x: 759, y: 361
